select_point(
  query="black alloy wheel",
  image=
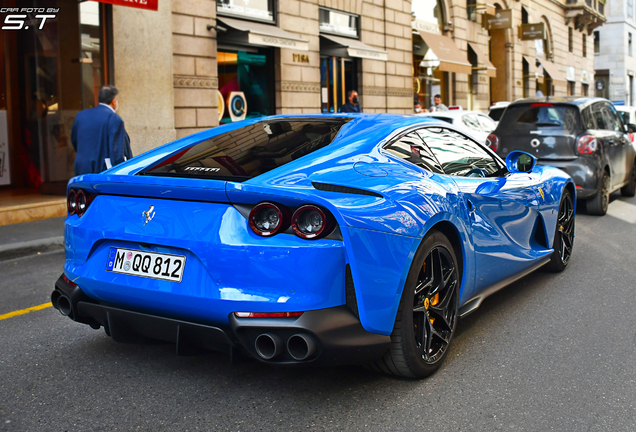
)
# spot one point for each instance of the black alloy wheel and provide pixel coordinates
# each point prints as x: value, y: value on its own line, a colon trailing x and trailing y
x: 629, y: 190
x: 600, y: 202
x: 428, y: 312
x: 435, y: 305
x: 564, y: 235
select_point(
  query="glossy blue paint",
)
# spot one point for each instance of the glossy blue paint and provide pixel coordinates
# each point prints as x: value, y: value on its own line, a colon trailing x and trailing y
x: 229, y: 268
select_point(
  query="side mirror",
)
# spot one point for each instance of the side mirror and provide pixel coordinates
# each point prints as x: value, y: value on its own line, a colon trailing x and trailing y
x: 520, y: 162
x: 631, y: 128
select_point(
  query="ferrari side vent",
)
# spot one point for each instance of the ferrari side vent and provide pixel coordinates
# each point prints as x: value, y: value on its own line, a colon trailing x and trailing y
x: 344, y: 189
x: 539, y: 233
x: 352, y: 301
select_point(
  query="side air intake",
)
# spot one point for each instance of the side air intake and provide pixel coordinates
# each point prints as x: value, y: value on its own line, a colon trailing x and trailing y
x: 344, y: 189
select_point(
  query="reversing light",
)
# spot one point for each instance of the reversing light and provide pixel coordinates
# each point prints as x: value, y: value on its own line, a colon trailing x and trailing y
x: 82, y: 202
x: 267, y: 314
x: 493, y: 142
x: 267, y: 219
x: 71, y: 203
x: 310, y: 222
x: 586, y: 145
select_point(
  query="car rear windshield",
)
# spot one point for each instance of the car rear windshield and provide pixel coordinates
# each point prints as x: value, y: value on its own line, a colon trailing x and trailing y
x: 250, y: 151
x: 495, y: 113
x: 544, y: 116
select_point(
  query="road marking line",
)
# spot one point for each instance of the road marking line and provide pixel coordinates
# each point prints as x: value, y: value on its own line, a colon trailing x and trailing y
x: 25, y: 311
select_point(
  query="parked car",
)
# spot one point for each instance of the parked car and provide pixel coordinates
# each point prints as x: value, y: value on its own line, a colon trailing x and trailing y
x: 476, y: 123
x: 497, y: 109
x: 627, y: 113
x: 311, y: 240
x: 585, y: 137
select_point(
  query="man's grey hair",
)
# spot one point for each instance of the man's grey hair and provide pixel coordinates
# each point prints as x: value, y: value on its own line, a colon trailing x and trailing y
x: 107, y: 94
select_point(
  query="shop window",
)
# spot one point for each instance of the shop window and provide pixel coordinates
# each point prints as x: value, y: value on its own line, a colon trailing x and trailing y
x: 337, y: 76
x: 571, y: 88
x: 570, y: 39
x: 524, y: 15
x: 526, y: 78
x: 58, y: 72
x: 339, y: 23
x: 260, y: 10
x: 246, y: 83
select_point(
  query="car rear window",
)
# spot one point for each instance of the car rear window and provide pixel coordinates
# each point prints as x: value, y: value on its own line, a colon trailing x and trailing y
x: 446, y: 119
x: 545, y: 116
x: 250, y: 151
x: 495, y: 113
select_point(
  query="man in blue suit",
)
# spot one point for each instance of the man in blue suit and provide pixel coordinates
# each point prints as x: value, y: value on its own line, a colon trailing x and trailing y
x: 98, y: 135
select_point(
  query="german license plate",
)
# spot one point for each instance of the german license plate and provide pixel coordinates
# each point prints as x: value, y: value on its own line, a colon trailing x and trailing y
x: 146, y: 264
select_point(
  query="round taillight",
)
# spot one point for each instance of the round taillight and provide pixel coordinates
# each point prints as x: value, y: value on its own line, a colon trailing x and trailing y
x: 267, y: 219
x: 82, y: 202
x: 71, y: 203
x: 310, y: 222
x: 493, y: 142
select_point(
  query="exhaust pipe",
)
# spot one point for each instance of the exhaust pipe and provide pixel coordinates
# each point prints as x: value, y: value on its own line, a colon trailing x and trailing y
x: 268, y: 346
x: 301, y: 346
x: 64, y: 305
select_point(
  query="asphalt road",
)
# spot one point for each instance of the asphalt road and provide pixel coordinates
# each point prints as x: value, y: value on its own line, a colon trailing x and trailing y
x: 550, y: 352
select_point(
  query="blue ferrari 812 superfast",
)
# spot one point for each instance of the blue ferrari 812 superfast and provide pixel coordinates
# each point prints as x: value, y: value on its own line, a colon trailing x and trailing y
x: 310, y: 239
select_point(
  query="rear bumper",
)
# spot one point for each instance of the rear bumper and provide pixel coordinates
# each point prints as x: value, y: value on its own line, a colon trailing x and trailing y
x: 585, y: 171
x: 331, y: 336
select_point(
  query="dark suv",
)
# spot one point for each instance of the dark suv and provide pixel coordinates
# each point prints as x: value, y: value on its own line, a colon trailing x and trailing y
x: 585, y: 137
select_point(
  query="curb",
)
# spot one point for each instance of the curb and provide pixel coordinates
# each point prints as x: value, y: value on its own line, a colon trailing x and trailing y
x: 22, y: 249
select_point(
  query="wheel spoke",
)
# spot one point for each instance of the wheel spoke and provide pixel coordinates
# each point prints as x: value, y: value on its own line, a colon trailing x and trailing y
x: 423, y: 285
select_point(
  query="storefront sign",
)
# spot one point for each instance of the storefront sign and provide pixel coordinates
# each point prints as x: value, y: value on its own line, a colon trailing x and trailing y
x: 500, y: 21
x: 259, y: 10
x: 367, y: 54
x: 340, y: 23
x: 425, y: 26
x: 584, y: 77
x: 300, y: 58
x: 5, y: 175
x: 570, y: 73
x: 141, y: 4
x: 276, y: 41
x: 532, y: 31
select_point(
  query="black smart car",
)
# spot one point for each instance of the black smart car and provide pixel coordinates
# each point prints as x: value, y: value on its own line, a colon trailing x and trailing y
x: 585, y: 137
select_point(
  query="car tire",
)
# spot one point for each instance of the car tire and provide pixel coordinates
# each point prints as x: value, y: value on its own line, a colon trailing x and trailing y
x: 599, y: 203
x: 563, y: 235
x: 629, y: 190
x: 427, y: 314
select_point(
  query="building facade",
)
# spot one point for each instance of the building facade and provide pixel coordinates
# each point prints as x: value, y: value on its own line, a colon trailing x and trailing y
x: 614, y: 60
x: 183, y: 66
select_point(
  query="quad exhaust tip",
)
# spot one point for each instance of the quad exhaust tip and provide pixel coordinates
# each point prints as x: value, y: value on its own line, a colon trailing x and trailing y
x: 301, y: 347
x: 268, y: 346
x: 62, y: 303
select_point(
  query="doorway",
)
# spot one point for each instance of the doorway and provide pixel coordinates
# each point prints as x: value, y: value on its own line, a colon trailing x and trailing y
x: 338, y: 75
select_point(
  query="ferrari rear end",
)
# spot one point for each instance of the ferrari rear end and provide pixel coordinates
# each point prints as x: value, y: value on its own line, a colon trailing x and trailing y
x: 181, y: 247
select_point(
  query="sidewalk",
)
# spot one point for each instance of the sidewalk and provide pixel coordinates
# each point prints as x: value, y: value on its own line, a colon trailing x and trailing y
x: 29, y: 238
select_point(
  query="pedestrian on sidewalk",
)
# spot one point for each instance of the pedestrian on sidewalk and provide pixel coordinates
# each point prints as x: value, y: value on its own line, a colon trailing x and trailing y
x: 99, y: 136
x: 352, y: 105
x: 439, y: 106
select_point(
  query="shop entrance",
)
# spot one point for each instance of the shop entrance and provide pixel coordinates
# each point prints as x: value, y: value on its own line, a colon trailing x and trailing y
x: 338, y: 75
x: 50, y: 75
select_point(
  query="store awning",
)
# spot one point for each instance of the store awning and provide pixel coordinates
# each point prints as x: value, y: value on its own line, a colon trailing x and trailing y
x: 148, y: 4
x: 345, y: 47
x: 253, y: 33
x: 451, y: 59
x: 532, y: 65
x: 484, y: 61
x: 551, y: 69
